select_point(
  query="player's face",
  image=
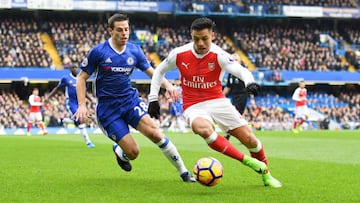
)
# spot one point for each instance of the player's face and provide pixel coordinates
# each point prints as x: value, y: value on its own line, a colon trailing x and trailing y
x: 36, y: 92
x: 74, y: 71
x: 302, y: 84
x: 202, y: 40
x: 120, y: 33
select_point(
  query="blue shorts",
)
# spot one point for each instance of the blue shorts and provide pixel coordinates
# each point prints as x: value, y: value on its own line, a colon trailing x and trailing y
x: 115, y: 117
x: 72, y: 108
x: 175, y: 109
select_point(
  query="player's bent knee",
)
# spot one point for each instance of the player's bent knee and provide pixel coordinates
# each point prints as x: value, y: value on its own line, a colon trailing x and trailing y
x: 155, y: 136
x: 245, y: 135
x: 202, y: 127
x: 132, y: 153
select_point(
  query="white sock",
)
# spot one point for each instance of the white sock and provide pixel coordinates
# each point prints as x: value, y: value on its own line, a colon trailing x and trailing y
x: 120, y: 153
x: 171, y: 153
x: 181, y: 125
x: 173, y: 125
x: 257, y: 148
x: 165, y: 121
x: 68, y: 120
x: 211, y: 138
x: 84, y: 133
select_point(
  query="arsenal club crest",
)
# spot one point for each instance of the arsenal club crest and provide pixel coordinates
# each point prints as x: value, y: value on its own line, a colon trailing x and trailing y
x: 211, y: 66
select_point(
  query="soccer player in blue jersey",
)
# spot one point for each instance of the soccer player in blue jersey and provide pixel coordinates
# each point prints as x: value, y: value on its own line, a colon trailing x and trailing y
x: 119, y: 105
x: 175, y: 117
x: 69, y: 83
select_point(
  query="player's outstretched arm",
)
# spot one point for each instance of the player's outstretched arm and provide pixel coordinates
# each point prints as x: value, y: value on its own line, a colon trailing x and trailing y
x: 174, y: 94
x: 53, y: 91
x: 154, y: 107
x: 157, y: 80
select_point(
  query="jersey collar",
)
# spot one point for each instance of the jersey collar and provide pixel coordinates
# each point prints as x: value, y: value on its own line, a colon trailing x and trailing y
x: 113, y: 48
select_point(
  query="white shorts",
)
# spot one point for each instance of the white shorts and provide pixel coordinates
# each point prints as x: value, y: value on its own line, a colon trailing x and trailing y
x: 217, y: 111
x: 301, y: 111
x: 35, y: 117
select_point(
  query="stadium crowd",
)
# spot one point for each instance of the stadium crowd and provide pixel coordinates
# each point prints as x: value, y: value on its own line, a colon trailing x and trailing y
x: 289, y: 47
x: 332, y: 3
x: 266, y: 112
x: 337, y: 3
x: 73, y: 40
x: 20, y: 44
x: 277, y: 46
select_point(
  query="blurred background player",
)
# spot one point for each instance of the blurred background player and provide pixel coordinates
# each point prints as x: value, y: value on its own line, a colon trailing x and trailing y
x: 69, y: 82
x: 301, y: 109
x: 235, y: 88
x: 35, y: 116
x: 175, y: 116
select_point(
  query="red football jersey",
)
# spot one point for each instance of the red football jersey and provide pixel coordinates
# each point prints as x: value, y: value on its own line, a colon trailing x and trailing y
x: 35, y: 103
x: 200, y: 75
x: 300, y: 96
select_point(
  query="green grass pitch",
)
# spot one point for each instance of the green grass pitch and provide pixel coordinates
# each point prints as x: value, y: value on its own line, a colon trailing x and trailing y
x: 314, y: 166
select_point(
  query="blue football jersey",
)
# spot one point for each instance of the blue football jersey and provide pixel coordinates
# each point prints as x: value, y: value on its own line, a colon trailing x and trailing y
x: 118, y: 102
x: 69, y: 82
x: 178, y: 87
x: 176, y: 107
x: 112, y: 70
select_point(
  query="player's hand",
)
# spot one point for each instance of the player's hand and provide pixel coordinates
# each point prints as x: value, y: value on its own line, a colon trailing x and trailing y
x: 173, y: 93
x: 154, y: 109
x: 253, y: 89
x: 81, y: 114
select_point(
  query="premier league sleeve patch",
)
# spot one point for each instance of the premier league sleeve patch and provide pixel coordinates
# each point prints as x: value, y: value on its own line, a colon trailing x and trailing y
x: 230, y: 59
x: 85, y: 62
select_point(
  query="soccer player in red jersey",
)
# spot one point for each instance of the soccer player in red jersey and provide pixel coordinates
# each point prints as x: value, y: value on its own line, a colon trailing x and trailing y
x: 202, y: 64
x: 35, y: 116
x: 301, y: 109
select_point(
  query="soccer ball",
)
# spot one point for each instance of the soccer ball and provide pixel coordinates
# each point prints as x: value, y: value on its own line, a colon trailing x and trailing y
x: 208, y: 171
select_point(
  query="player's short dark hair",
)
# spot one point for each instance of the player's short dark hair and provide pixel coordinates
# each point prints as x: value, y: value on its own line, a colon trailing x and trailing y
x: 73, y: 66
x: 117, y: 17
x: 202, y: 23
